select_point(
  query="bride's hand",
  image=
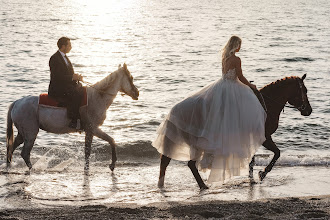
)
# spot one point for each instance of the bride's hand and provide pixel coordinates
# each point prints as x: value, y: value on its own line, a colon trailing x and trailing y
x: 77, y: 77
x: 254, y: 87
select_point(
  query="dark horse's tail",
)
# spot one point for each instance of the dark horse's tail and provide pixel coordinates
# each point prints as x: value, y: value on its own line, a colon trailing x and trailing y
x: 10, y: 134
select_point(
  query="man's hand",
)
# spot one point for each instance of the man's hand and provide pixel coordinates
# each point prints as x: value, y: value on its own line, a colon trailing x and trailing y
x: 77, y: 77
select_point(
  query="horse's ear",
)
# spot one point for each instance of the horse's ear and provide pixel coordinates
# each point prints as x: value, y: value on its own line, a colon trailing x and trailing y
x: 119, y: 66
x: 304, y: 76
x: 125, y: 66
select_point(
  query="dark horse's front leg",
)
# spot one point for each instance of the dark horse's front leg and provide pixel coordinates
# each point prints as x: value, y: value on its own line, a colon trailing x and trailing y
x: 192, y: 166
x: 251, y: 165
x: 270, y: 145
x: 88, y: 144
x: 164, y: 161
x: 100, y: 134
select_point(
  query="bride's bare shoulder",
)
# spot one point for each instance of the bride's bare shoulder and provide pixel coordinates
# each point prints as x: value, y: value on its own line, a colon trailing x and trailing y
x: 236, y: 59
x: 231, y: 63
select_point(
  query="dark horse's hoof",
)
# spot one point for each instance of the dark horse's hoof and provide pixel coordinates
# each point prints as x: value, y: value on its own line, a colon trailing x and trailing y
x: 112, y: 167
x: 8, y: 164
x: 8, y: 161
x: 262, y: 175
x: 204, y: 187
x: 251, y: 175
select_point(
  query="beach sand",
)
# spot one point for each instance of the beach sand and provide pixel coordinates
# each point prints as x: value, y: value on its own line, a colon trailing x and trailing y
x: 285, y: 208
x: 286, y: 193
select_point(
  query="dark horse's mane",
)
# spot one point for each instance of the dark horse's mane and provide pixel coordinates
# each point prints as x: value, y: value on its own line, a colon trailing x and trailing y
x: 278, y: 83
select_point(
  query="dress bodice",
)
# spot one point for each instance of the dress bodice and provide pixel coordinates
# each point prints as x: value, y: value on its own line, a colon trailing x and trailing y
x: 230, y: 75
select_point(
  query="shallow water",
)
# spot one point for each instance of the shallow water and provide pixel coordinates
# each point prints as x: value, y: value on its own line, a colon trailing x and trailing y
x: 137, y: 185
x: 171, y: 49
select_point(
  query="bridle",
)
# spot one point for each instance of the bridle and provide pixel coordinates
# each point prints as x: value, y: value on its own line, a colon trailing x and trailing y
x: 303, y: 105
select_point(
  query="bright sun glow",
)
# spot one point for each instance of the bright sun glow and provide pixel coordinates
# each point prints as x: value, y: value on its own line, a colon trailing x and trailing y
x: 105, y: 21
x: 105, y: 5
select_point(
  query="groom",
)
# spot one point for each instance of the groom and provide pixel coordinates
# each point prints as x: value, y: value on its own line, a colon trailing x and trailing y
x: 64, y: 83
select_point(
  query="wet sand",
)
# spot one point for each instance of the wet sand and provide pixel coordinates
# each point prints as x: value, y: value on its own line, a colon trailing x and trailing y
x: 286, y: 193
x: 285, y: 208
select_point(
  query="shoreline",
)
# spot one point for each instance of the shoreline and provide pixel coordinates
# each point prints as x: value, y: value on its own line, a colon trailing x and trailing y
x: 283, y: 208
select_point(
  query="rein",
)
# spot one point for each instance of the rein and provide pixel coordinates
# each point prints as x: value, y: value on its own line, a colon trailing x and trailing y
x: 273, y: 100
x: 91, y: 85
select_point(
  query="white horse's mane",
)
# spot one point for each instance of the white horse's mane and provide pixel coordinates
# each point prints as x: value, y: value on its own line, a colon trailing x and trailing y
x: 107, y: 81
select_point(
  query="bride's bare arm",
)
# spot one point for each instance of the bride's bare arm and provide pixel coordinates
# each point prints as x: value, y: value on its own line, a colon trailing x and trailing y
x: 240, y: 74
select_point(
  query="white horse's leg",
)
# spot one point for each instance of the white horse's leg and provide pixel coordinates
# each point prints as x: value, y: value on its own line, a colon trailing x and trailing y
x: 28, y: 144
x: 18, y: 140
x: 88, y: 144
x: 24, y: 115
x: 29, y: 131
x: 100, y: 134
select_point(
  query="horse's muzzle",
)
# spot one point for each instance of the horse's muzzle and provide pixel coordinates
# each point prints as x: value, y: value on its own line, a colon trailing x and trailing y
x: 306, y: 111
x: 136, y: 94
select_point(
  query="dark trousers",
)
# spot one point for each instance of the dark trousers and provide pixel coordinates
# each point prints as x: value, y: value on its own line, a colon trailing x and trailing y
x: 73, y: 96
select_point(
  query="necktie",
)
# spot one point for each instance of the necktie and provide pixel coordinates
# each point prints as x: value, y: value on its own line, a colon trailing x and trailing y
x: 69, y: 65
x: 67, y: 59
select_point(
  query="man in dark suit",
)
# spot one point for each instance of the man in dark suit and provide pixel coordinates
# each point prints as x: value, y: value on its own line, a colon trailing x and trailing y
x: 64, y: 83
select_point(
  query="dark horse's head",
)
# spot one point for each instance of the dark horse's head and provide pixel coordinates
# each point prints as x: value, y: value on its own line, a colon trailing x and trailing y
x: 298, y: 97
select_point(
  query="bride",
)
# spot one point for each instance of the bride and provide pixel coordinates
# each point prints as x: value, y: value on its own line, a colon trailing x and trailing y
x: 221, y: 126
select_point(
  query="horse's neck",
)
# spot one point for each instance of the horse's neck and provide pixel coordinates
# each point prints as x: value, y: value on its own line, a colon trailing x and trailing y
x: 99, y: 102
x: 103, y: 99
x: 276, y: 99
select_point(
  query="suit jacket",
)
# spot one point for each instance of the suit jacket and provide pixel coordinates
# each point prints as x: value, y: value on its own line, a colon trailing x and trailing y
x: 60, y: 76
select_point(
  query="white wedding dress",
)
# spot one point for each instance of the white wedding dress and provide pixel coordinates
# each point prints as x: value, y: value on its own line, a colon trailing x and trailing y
x: 220, y: 126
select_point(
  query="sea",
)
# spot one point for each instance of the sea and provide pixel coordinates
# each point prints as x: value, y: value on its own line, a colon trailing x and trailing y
x: 172, y: 48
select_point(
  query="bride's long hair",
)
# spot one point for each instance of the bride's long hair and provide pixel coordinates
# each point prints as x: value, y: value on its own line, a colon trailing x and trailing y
x: 232, y: 45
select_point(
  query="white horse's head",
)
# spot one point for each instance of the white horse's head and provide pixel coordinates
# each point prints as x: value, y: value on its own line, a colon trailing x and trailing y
x: 127, y: 85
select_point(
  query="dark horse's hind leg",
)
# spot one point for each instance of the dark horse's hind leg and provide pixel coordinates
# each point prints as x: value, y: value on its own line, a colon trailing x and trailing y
x: 251, y: 165
x: 270, y: 145
x: 163, y: 165
x: 192, y: 166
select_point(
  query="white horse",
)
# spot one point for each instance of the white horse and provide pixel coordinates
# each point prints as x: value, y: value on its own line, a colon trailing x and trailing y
x: 28, y: 116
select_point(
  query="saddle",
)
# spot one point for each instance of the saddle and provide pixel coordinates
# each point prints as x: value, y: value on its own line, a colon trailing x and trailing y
x: 46, y: 100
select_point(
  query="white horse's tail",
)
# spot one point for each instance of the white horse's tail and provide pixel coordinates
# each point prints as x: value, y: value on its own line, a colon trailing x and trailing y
x: 10, y: 133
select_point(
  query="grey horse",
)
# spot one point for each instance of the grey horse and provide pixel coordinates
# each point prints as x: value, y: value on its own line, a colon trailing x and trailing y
x: 28, y: 116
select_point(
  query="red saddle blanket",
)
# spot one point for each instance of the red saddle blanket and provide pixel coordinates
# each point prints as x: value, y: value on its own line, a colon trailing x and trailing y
x: 44, y: 99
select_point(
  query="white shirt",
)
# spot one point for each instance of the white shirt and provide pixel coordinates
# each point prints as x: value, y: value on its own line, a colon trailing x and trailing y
x: 63, y: 55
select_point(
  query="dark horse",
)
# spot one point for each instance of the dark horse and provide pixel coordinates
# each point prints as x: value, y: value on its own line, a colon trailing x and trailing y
x: 275, y: 95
